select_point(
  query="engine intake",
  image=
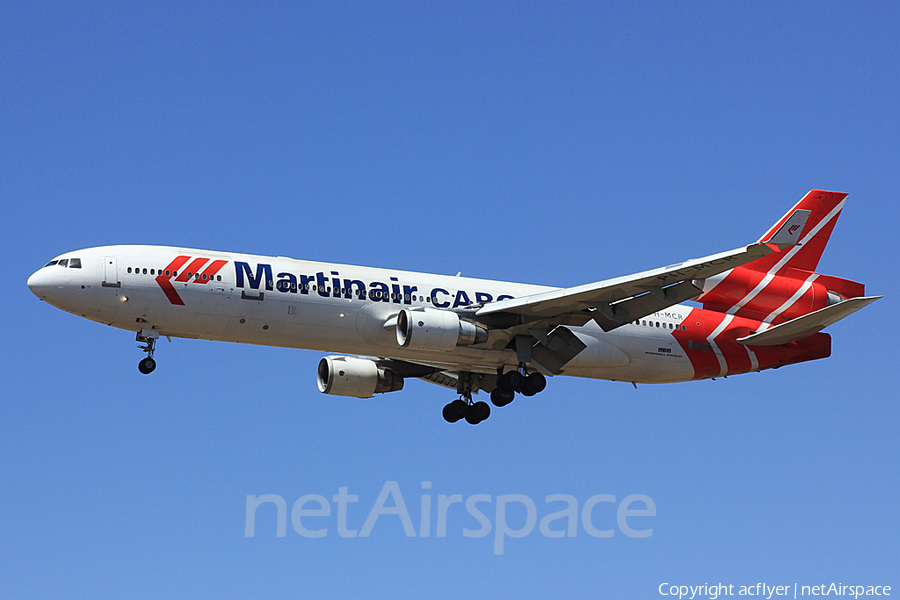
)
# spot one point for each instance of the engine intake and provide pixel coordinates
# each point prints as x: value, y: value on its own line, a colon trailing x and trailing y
x: 357, y: 377
x: 433, y: 329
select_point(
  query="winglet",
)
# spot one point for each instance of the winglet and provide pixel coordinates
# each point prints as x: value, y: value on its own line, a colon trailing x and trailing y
x: 789, y: 232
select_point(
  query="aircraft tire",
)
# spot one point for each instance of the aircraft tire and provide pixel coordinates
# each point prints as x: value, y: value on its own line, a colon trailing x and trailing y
x: 511, y: 380
x: 147, y: 365
x: 477, y: 413
x: 454, y: 411
x: 534, y: 384
x: 502, y: 396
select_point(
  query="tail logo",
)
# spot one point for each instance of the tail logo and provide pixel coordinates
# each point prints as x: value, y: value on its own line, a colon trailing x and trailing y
x: 793, y: 228
x: 190, y: 274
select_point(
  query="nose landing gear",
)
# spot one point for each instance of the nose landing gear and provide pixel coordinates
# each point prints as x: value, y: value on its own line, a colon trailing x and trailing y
x: 148, y: 338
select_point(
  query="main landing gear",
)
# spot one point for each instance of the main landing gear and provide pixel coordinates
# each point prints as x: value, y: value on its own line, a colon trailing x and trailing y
x: 527, y: 384
x: 148, y: 338
x: 516, y: 381
x: 463, y: 407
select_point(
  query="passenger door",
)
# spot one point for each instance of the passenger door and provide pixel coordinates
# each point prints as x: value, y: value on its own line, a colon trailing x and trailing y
x: 110, y: 272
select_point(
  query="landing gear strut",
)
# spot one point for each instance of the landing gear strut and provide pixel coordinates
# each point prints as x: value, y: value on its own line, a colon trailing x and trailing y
x: 463, y: 407
x: 148, y: 338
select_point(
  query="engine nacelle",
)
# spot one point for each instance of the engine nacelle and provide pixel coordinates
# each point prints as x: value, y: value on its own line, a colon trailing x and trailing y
x: 433, y: 329
x: 357, y: 377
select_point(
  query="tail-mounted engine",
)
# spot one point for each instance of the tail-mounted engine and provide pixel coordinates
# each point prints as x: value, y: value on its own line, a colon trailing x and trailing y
x: 433, y: 329
x: 792, y: 293
x: 357, y: 377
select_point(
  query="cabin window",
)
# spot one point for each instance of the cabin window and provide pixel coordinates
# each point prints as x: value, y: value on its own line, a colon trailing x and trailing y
x: 145, y: 271
x: 129, y: 269
x: 218, y: 278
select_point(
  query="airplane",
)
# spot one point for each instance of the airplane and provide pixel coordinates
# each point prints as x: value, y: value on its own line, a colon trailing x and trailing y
x: 762, y: 306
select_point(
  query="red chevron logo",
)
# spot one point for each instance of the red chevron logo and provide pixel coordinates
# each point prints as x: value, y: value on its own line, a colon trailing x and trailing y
x: 191, y: 274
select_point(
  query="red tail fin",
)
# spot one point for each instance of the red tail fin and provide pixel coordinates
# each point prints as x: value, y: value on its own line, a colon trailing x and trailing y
x: 784, y: 285
x: 825, y: 208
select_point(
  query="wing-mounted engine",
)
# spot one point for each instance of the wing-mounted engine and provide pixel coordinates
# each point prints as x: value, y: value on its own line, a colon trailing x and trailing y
x: 357, y: 377
x: 423, y: 328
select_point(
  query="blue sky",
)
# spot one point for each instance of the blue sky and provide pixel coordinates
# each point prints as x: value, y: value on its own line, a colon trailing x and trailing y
x: 517, y: 141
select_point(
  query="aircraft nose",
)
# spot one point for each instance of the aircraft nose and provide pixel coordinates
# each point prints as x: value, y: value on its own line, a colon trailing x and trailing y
x: 39, y: 283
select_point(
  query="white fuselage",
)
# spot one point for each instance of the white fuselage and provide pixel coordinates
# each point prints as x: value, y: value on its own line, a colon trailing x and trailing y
x: 326, y: 307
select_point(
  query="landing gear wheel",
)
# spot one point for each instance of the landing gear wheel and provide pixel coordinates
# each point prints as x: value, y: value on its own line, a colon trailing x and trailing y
x: 477, y: 413
x: 533, y: 384
x: 148, y: 344
x: 449, y: 414
x: 455, y: 411
x: 502, y: 397
x: 511, y: 380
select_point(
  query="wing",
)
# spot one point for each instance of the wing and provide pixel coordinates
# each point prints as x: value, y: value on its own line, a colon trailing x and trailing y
x: 614, y: 302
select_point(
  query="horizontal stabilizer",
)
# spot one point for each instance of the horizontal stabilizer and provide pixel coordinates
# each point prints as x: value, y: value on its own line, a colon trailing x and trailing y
x: 805, y: 326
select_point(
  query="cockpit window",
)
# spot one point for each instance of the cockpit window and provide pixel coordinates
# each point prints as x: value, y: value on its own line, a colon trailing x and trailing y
x: 64, y: 262
x: 51, y: 263
x: 74, y: 263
